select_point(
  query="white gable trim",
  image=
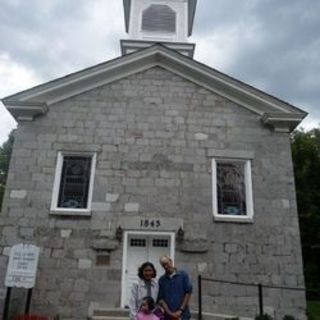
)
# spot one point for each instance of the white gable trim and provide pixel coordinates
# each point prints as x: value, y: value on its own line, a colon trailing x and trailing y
x: 215, y: 83
x: 209, y: 87
x: 105, y: 73
x: 112, y: 77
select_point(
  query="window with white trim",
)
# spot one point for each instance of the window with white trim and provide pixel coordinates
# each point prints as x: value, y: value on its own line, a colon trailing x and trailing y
x: 232, y: 190
x: 73, y: 183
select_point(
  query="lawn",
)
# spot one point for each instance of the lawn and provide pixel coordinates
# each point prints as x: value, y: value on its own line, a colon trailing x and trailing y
x: 314, y: 310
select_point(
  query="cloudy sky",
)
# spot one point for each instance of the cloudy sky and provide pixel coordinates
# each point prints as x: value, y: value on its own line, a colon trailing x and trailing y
x: 273, y: 45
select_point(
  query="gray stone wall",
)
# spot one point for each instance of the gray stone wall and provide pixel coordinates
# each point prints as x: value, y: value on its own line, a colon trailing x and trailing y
x: 153, y: 132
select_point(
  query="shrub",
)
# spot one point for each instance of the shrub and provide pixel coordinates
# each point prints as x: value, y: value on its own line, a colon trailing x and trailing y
x: 288, y: 317
x: 264, y: 316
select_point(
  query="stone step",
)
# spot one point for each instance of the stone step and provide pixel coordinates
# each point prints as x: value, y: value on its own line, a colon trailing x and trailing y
x: 115, y: 318
x: 109, y: 318
x: 102, y: 313
x: 204, y: 317
x: 213, y: 316
x: 111, y: 312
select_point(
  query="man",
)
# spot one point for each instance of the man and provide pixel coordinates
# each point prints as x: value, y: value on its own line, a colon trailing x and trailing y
x: 174, y: 291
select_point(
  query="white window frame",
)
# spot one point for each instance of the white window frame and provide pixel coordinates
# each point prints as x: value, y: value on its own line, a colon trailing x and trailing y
x: 248, y: 189
x: 57, y: 180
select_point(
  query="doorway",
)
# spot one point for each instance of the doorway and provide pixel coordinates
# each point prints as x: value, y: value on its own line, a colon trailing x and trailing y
x: 139, y: 247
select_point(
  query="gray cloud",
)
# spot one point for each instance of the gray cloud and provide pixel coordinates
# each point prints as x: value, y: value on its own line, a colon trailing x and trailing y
x: 273, y: 45
x: 29, y: 29
x: 278, y: 43
x: 55, y: 37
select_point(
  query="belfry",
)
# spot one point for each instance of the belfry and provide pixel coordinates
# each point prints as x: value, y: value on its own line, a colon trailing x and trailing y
x: 169, y: 22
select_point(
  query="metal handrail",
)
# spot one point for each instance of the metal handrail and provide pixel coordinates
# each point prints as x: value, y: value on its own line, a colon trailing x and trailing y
x: 259, y: 286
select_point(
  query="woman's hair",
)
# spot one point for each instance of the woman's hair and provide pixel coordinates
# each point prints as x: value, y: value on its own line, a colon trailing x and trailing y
x: 145, y: 265
x: 150, y: 302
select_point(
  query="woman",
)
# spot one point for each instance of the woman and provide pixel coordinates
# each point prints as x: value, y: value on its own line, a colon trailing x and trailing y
x: 146, y: 286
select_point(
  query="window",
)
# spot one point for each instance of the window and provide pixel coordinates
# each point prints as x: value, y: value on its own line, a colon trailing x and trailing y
x: 136, y: 242
x: 103, y: 258
x: 232, y: 190
x: 159, y: 18
x: 73, y: 183
x: 160, y: 243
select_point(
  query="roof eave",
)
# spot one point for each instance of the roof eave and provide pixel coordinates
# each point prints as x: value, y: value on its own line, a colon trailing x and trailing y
x: 25, y: 111
x: 283, y: 122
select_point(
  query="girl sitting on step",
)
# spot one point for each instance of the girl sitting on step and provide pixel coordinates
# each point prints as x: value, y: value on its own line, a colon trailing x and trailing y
x: 147, y: 310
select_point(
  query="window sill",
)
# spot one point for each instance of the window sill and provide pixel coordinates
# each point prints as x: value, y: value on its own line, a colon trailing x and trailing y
x: 232, y: 218
x: 70, y: 212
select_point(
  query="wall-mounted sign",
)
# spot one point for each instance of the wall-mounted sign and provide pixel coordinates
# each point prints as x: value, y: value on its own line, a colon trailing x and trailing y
x: 22, y: 266
x: 150, y: 223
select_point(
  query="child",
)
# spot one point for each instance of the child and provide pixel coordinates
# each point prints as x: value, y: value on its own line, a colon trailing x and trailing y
x: 146, y: 310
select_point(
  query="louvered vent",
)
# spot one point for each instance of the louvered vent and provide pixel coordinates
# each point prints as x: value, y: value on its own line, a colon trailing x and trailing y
x: 159, y: 17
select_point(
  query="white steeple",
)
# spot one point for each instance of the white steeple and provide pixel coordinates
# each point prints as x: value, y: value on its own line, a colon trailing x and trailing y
x: 169, y: 22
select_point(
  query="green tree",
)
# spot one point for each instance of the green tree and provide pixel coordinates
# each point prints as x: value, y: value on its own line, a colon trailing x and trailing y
x: 306, y: 161
x: 5, y: 153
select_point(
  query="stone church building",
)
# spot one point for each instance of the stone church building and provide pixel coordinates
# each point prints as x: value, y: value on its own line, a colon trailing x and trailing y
x: 147, y: 154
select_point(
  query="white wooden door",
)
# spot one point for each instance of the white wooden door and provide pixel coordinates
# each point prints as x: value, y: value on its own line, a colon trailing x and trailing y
x: 142, y: 248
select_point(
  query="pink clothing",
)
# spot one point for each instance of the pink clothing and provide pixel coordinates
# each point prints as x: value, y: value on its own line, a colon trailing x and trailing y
x: 146, y: 316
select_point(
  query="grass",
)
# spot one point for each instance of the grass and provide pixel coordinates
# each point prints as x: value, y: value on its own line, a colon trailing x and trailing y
x: 313, y: 310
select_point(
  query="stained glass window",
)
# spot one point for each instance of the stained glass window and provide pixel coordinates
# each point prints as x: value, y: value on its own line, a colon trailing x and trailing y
x: 231, y: 191
x: 74, y: 183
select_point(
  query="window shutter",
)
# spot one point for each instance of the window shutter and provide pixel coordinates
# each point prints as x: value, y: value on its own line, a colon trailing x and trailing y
x: 159, y: 18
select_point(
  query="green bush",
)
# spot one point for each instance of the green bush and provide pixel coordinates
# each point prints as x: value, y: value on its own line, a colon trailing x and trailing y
x: 288, y: 317
x: 313, y: 310
x: 264, y: 316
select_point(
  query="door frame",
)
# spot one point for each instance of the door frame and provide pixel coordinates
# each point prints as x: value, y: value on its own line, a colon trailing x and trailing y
x: 125, y: 253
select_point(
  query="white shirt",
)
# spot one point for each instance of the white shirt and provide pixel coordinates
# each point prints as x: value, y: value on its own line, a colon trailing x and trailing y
x: 138, y: 292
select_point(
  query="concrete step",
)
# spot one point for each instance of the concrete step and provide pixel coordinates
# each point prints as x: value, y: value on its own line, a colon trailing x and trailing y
x: 111, y: 312
x: 213, y: 316
x: 204, y: 317
x: 102, y: 313
x: 109, y: 318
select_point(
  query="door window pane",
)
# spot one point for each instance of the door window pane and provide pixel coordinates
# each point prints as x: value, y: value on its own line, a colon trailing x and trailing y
x: 138, y: 242
x: 163, y: 243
